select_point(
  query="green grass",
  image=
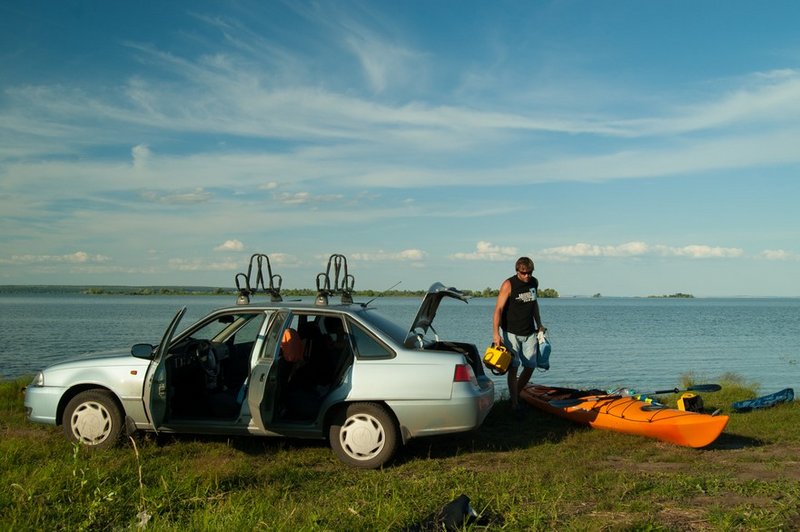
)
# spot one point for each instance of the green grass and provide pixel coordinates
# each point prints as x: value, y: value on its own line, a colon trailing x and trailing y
x: 542, y: 473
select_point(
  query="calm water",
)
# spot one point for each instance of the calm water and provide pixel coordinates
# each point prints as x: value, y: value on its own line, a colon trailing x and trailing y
x: 607, y: 342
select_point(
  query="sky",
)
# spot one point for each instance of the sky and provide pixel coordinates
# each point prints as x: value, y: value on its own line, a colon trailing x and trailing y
x: 630, y: 148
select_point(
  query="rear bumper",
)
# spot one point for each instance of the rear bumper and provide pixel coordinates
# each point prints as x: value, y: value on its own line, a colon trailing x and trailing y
x: 465, y: 410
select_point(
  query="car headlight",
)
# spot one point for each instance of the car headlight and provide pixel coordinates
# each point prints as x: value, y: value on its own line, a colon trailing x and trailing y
x: 38, y: 379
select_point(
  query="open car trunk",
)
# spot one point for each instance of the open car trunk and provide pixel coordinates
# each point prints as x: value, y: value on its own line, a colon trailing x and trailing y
x: 423, y: 322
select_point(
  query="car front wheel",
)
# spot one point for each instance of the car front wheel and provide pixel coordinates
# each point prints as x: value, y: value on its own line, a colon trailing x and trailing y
x: 92, y: 418
x: 364, y: 435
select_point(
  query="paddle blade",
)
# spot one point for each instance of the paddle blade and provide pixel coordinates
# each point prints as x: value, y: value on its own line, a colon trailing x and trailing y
x: 565, y: 403
x: 695, y: 388
x: 704, y: 388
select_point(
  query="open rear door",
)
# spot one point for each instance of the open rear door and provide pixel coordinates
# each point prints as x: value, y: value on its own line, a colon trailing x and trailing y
x: 264, y: 386
x: 155, y: 394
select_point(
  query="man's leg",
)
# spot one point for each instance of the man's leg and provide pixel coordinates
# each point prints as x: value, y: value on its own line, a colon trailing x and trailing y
x: 528, y: 348
x: 512, y: 386
x: 513, y: 344
x: 524, y: 377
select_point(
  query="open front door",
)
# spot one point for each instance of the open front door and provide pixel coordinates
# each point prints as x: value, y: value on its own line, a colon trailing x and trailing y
x: 155, y: 395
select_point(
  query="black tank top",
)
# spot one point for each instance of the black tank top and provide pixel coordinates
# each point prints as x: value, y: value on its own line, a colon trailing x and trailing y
x: 517, y: 317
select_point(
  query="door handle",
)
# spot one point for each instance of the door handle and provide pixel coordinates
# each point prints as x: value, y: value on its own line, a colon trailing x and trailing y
x: 263, y: 376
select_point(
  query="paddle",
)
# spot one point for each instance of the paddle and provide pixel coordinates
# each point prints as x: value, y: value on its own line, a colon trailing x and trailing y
x: 695, y: 388
x: 566, y: 403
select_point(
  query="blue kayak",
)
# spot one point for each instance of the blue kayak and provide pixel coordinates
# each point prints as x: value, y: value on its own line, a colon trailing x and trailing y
x: 765, y: 401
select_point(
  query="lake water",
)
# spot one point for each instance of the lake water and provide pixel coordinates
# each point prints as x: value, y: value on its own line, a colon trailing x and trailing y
x: 644, y: 344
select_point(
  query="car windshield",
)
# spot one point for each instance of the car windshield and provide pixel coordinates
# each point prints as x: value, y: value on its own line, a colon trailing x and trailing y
x: 224, y: 326
x: 383, y: 324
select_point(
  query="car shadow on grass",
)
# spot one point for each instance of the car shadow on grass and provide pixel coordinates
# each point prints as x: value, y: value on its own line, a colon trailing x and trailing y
x: 503, y: 430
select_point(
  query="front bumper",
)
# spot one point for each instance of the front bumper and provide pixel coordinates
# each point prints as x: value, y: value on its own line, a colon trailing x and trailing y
x: 41, y: 403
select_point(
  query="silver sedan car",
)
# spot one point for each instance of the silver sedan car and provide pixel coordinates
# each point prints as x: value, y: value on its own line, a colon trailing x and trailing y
x: 340, y: 371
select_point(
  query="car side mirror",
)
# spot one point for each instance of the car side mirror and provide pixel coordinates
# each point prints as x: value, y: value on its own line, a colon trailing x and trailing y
x: 143, y: 351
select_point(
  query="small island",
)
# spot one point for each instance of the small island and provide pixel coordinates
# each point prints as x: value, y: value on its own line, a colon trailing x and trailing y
x: 677, y: 295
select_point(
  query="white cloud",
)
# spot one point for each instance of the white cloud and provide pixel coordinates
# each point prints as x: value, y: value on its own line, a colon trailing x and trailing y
x: 353, y: 141
x: 628, y: 249
x: 381, y: 61
x: 695, y: 251
x: 412, y: 255
x: 299, y: 198
x: 79, y: 257
x: 294, y: 199
x: 639, y: 249
x: 197, y: 195
x: 488, y: 252
x: 140, y: 155
x: 778, y: 254
x: 230, y: 245
x: 760, y: 97
x: 282, y: 258
x: 202, y: 265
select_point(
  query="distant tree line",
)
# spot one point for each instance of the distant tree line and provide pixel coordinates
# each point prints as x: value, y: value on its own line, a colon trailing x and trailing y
x: 213, y: 291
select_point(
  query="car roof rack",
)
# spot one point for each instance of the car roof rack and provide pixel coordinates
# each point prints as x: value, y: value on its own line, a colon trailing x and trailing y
x: 275, y: 280
x: 343, y: 282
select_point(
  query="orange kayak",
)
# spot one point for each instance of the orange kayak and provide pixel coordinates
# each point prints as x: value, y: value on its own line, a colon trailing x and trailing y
x: 627, y: 414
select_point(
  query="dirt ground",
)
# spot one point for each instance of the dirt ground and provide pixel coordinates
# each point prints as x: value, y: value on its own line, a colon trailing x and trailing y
x: 764, y: 462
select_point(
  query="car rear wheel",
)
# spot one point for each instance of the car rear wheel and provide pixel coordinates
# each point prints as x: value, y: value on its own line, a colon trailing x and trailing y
x: 364, y: 435
x: 92, y: 418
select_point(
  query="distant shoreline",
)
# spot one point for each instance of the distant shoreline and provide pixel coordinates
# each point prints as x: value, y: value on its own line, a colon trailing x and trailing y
x: 122, y: 290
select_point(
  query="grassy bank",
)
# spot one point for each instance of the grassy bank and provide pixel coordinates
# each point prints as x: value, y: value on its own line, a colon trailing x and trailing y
x: 538, y: 474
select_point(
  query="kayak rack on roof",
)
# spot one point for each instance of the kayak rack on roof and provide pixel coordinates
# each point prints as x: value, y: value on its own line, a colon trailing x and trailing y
x: 249, y: 283
x: 343, y: 282
x: 275, y: 280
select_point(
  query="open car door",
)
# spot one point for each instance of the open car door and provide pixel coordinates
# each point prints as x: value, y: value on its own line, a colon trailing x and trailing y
x: 264, y: 387
x: 155, y: 394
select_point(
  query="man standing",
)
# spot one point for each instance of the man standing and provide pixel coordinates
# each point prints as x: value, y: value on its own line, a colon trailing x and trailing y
x: 515, y: 324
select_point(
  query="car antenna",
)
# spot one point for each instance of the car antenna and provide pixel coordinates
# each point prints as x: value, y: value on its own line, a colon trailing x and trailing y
x: 365, y: 305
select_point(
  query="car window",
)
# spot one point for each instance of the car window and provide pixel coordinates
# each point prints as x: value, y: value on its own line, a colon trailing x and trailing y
x: 273, y: 334
x: 384, y: 324
x: 366, y: 345
x: 309, y: 328
x: 248, y: 332
x: 242, y: 327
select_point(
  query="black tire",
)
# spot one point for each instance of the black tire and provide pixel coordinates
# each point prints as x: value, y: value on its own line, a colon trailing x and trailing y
x: 92, y: 418
x: 364, y: 435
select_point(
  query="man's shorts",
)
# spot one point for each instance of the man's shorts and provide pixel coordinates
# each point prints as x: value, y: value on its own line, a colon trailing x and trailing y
x: 523, y: 348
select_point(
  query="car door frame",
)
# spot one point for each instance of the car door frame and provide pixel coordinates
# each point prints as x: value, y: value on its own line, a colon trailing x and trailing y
x: 154, y: 395
x: 264, y: 394
x: 263, y: 381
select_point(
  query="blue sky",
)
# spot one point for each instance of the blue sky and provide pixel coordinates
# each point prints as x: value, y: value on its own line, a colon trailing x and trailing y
x: 630, y: 148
